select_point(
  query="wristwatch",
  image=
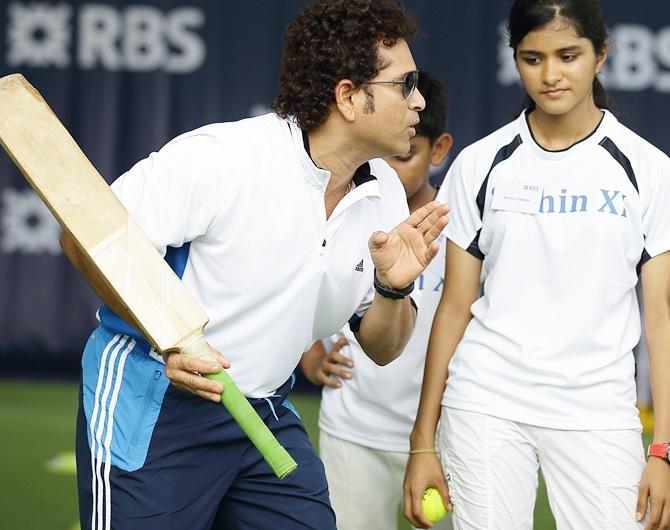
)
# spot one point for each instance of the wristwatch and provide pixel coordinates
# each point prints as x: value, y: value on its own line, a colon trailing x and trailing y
x: 391, y: 292
x: 660, y: 451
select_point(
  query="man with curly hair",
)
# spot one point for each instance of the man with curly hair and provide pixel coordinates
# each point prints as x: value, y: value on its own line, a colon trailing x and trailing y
x: 284, y: 227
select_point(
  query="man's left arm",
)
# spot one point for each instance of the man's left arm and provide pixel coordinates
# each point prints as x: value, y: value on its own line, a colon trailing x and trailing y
x: 399, y: 257
x: 386, y: 328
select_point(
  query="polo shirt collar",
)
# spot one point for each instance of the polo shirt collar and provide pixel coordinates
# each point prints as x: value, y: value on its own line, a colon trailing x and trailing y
x: 319, y: 177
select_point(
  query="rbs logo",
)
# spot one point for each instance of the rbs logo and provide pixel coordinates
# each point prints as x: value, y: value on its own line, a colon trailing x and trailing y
x: 136, y: 38
x: 639, y: 59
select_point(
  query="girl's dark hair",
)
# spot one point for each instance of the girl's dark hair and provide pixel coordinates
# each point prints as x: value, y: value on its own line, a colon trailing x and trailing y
x: 331, y: 40
x: 586, y: 16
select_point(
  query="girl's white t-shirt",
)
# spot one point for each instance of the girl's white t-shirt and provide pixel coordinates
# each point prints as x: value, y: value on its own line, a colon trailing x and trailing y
x: 561, y: 236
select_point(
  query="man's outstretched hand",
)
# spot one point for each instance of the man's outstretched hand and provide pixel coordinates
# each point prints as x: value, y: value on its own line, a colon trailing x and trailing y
x: 402, y: 254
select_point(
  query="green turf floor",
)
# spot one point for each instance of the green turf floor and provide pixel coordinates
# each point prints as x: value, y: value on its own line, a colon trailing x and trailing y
x: 37, y: 421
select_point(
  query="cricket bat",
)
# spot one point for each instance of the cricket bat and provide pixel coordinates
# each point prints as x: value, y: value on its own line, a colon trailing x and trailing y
x: 123, y: 257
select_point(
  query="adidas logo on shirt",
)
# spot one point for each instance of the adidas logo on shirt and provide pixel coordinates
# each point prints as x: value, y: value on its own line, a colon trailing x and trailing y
x: 359, y: 267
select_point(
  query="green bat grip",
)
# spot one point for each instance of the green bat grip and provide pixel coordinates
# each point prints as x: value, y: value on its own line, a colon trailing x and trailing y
x: 244, y: 414
x: 241, y: 410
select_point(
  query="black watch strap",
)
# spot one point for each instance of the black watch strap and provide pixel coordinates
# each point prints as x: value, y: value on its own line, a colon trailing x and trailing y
x: 390, y: 292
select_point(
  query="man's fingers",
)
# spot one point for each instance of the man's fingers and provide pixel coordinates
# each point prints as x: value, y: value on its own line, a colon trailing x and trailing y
x: 196, y: 382
x: 428, y: 215
x: 377, y: 240
x: 193, y: 364
x: 181, y: 372
x: 225, y: 363
x: 422, y: 213
x: 210, y: 396
x: 435, y: 229
x: 432, y: 251
x: 216, y: 398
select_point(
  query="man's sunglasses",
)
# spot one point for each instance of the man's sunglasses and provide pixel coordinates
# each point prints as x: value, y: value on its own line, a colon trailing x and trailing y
x: 409, y: 82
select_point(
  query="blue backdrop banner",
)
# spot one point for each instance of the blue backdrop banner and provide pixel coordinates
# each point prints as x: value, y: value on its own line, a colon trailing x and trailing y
x: 126, y: 77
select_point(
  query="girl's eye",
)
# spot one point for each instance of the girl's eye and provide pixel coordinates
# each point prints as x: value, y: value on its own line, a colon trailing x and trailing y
x: 531, y: 60
x: 404, y: 158
x: 569, y: 58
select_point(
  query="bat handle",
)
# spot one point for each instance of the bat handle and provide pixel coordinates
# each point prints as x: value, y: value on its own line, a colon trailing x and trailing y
x: 244, y: 414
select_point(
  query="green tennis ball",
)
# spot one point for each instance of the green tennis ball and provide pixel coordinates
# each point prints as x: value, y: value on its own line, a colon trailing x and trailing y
x: 433, y: 507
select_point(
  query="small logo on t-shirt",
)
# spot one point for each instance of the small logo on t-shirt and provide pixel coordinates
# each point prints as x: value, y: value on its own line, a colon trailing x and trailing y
x: 359, y: 267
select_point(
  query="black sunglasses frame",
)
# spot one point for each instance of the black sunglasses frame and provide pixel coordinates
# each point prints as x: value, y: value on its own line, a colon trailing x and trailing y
x: 409, y: 83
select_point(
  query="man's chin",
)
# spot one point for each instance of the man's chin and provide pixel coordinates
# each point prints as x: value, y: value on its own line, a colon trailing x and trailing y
x: 402, y: 148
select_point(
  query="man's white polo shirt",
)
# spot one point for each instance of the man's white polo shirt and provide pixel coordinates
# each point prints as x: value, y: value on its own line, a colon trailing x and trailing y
x: 243, y: 205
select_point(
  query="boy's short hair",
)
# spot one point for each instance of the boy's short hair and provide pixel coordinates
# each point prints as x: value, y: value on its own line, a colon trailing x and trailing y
x: 434, y: 117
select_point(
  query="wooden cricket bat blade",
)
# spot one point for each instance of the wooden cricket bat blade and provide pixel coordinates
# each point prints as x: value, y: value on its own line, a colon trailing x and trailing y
x: 99, y: 224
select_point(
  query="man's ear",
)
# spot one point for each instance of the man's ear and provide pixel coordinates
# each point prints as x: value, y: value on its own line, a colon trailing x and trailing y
x: 440, y: 149
x: 345, y: 99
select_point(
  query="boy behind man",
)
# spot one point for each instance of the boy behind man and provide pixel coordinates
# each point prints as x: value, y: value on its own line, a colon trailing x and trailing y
x: 366, y: 417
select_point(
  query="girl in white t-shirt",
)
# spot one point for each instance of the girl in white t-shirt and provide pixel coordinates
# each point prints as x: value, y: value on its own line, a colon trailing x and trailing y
x: 554, y: 218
